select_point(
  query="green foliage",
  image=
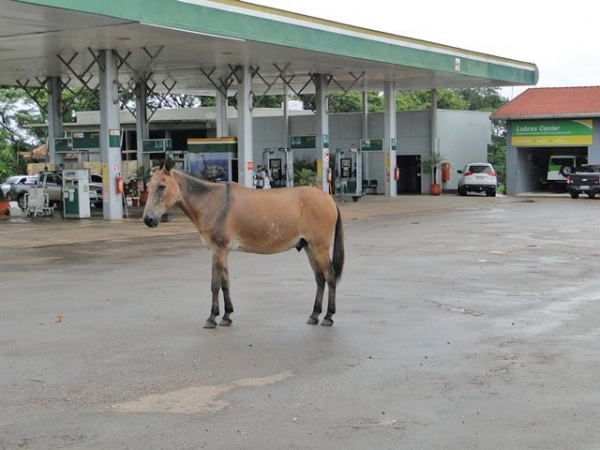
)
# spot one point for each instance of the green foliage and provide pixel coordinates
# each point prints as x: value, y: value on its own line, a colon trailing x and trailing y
x: 16, y: 110
x: 432, y: 162
x: 305, y: 177
x: 413, y: 100
x: 305, y: 171
x: 477, y: 99
x: 353, y: 102
x: 482, y: 99
x: 497, y: 150
x: 350, y: 102
x: 421, y: 100
x: 9, y: 165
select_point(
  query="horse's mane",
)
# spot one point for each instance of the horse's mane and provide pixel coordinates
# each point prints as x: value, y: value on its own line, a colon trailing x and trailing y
x: 192, y: 183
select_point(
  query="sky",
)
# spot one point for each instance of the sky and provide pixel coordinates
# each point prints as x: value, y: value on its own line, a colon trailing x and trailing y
x: 561, y: 38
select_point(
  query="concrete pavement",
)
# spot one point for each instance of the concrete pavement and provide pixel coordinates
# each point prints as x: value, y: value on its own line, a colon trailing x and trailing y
x: 459, y: 320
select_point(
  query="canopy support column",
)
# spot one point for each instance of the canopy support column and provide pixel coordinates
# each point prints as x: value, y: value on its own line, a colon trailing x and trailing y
x: 245, y: 158
x: 390, y: 136
x: 222, y: 126
x: 110, y: 135
x: 322, y: 129
x: 141, y: 120
x: 55, y: 119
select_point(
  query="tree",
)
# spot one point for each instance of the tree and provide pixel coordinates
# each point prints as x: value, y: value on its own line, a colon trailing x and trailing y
x: 497, y: 150
x: 482, y: 99
x: 16, y: 110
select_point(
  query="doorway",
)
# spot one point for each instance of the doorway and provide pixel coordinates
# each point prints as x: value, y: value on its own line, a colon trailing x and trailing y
x: 410, y: 174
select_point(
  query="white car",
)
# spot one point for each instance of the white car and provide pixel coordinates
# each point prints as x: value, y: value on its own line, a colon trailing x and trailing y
x: 15, y: 179
x: 478, y: 177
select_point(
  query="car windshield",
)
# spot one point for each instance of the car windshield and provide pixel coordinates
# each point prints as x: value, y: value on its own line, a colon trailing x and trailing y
x: 31, y: 180
x: 481, y: 169
x: 11, y: 180
x: 561, y: 162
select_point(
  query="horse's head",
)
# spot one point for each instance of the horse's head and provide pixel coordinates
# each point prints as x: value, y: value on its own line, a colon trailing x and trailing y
x: 163, y: 192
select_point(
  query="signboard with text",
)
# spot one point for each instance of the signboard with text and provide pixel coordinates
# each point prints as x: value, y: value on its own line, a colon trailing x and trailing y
x: 543, y: 133
x: 303, y: 142
x: 371, y: 145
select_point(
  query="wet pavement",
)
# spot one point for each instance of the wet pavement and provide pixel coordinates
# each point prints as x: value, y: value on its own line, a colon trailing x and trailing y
x: 462, y: 323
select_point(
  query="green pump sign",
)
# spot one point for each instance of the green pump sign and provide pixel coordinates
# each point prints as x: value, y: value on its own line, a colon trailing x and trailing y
x: 542, y: 133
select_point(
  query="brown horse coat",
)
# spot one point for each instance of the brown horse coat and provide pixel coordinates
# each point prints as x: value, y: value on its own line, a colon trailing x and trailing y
x: 230, y: 217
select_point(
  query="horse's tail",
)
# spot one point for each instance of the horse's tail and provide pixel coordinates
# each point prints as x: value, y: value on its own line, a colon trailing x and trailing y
x: 337, y: 262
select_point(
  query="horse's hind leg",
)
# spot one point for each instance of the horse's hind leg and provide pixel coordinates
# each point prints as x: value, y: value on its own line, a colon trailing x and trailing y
x: 226, y: 320
x: 320, y: 267
x: 331, y: 286
x: 318, y: 306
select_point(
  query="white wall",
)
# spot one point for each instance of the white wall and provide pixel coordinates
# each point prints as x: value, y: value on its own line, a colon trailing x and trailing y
x: 463, y: 137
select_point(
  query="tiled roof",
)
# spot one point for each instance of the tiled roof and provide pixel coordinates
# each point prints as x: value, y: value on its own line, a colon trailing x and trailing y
x: 556, y: 102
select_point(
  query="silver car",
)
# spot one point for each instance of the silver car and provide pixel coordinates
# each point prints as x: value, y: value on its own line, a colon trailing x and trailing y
x: 15, y: 179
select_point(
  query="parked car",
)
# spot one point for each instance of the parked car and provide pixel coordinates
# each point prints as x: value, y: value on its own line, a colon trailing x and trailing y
x: 585, y: 180
x: 478, y: 177
x: 15, y: 179
x: 560, y: 167
x: 52, y: 184
x: 96, y: 190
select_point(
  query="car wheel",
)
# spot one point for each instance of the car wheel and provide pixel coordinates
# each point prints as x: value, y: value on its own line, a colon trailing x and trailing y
x: 591, y: 194
x: 462, y: 191
x: 574, y: 195
x: 492, y: 193
x: 21, y: 201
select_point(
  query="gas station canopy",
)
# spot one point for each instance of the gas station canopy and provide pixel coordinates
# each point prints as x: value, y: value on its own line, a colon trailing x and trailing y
x: 195, y: 46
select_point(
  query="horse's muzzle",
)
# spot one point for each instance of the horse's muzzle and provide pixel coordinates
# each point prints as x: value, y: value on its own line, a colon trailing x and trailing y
x: 150, y: 221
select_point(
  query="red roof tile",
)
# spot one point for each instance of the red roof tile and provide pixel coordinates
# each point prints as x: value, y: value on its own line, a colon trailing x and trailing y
x: 556, y: 102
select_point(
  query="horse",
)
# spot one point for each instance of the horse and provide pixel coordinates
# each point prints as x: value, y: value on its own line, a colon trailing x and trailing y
x: 232, y: 217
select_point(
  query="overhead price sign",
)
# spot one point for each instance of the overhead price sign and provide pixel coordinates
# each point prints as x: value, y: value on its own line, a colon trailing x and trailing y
x: 542, y: 133
x: 371, y: 145
x: 157, y: 145
x: 303, y: 142
x: 86, y: 140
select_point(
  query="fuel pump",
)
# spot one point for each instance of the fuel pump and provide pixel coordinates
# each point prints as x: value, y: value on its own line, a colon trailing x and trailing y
x: 288, y: 167
x: 348, y: 173
x: 76, y: 194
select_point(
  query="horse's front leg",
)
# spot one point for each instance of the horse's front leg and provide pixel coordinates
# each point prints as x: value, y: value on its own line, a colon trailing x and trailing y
x: 219, y: 280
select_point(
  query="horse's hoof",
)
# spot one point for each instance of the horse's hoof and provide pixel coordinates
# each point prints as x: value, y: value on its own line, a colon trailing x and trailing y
x: 225, y: 322
x: 210, y: 324
x: 327, y: 322
x: 312, y: 320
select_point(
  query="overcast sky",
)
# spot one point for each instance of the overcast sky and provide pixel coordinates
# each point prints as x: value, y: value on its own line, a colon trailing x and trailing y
x: 561, y: 38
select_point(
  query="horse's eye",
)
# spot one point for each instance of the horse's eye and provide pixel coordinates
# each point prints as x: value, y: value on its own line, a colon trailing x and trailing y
x: 162, y: 187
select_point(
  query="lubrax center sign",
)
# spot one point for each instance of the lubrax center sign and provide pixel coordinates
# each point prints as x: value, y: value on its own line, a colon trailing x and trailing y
x: 543, y: 133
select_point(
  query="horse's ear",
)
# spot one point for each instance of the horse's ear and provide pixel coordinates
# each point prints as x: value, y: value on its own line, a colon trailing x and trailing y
x: 168, y: 165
